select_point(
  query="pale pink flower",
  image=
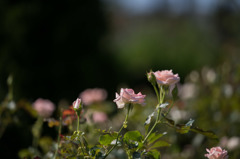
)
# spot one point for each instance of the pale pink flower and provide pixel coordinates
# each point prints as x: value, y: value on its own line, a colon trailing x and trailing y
x: 216, y: 153
x: 44, y: 107
x: 129, y: 96
x: 77, y: 103
x: 166, y: 77
x: 94, y: 95
x: 99, y: 117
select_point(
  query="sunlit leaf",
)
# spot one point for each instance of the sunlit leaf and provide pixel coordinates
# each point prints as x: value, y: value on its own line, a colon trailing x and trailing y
x: 159, y: 143
x: 164, y: 105
x: 154, y: 137
x: 154, y: 154
x: 133, y: 135
x: 106, y: 139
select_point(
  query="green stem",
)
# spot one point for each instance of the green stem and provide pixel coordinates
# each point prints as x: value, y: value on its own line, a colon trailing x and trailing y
x: 59, y: 133
x: 161, y: 99
x: 169, y: 109
x: 123, y: 126
x: 81, y: 146
x: 156, y: 91
x: 78, y: 123
x: 149, y: 133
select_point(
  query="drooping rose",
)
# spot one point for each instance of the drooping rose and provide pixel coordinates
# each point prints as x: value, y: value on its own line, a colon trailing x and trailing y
x: 166, y: 77
x: 44, y: 107
x: 77, y: 103
x: 128, y: 96
x: 216, y: 153
x: 90, y: 96
x: 99, y: 117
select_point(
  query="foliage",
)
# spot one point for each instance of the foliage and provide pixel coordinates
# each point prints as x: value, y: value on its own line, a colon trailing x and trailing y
x: 79, y: 136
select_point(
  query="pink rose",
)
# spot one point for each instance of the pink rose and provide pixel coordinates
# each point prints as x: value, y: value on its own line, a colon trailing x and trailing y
x: 99, y: 117
x: 90, y: 96
x: 128, y: 96
x: 77, y: 103
x: 166, y: 77
x: 44, y: 107
x: 216, y: 153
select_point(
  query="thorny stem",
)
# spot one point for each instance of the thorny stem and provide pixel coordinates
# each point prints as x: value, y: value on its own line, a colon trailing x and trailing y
x: 123, y: 126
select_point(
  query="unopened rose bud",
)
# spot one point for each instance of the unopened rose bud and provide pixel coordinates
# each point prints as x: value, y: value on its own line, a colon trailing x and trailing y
x: 151, y: 78
x: 77, y: 106
x: 77, y: 103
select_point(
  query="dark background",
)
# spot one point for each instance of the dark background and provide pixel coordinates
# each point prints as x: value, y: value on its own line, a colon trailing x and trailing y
x: 56, y: 50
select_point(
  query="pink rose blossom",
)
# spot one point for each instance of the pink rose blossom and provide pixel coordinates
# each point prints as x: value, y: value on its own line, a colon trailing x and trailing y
x: 129, y: 96
x: 90, y: 96
x: 166, y: 77
x: 77, y: 103
x: 99, y: 117
x: 44, y: 107
x: 216, y: 153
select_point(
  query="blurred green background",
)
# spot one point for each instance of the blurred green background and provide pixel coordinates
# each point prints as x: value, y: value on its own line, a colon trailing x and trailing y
x: 55, y: 50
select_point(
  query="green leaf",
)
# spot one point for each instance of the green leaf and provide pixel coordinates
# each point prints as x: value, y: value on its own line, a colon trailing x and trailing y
x: 114, y: 134
x: 154, y: 137
x: 164, y: 105
x: 160, y: 143
x: 85, y: 144
x: 106, y: 139
x: 169, y: 122
x: 183, y: 129
x: 94, y: 151
x: 209, y: 134
x: 133, y: 135
x: 155, y: 154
